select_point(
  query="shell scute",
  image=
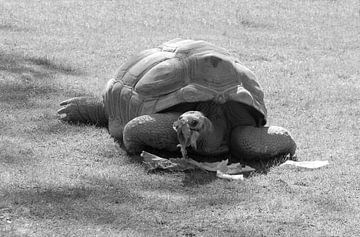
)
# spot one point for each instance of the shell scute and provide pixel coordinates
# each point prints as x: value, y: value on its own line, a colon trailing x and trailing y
x: 163, y: 78
x: 176, y: 72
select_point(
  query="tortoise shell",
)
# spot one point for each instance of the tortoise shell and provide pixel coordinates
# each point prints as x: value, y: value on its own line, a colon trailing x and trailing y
x: 180, y: 71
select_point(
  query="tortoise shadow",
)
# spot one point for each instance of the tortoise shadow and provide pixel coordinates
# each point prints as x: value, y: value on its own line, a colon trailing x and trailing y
x: 263, y: 166
x: 195, y: 178
x: 202, y: 177
x: 191, y: 178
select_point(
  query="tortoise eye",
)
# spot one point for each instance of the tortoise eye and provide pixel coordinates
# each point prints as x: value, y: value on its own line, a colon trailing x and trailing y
x: 193, y: 123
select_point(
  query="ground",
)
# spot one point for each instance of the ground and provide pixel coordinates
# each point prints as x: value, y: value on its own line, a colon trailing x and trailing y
x: 64, y: 180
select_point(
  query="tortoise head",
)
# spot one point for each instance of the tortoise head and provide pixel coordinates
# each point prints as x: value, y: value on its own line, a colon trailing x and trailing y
x: 190, y: 126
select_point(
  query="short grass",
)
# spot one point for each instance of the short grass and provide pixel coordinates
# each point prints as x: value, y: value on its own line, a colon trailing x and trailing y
x: 58, y: 179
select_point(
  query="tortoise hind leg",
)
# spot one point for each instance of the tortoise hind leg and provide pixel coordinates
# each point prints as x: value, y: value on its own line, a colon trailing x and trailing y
x: 249, y: 143
x: 155, y: 130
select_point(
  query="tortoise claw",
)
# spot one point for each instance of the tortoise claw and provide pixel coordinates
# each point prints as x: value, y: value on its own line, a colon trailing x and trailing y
x: 70, y: 110
x: 62, y: 110
x: 64, y: 113
x: 84, y: 110
x: 69, y: 101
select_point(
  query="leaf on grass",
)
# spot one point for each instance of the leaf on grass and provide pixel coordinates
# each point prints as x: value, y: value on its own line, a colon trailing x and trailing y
x: 307, y: 164
x: 153, y: 162
x: 222, y: 175
x: 222, y: 168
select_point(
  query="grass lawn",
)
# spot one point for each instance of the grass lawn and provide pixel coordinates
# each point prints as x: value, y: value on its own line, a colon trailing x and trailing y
x: 58, y: 179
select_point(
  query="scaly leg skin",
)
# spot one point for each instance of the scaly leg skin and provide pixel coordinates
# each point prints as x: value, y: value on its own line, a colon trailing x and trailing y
x: 83, y: 110
x: 116, y: 130
x: 155, y: 130
x: 251, y: 143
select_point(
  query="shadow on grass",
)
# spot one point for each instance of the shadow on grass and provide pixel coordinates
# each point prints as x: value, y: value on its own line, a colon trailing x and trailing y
x: 199, y: 177
x: 264, y: 166
x: 25, y: 78
x: 102, y: 205
x: 96, y: 205
x: 191, y: 178
x: 39, y: 67
x: 18, y: 94
x: 14, y: 28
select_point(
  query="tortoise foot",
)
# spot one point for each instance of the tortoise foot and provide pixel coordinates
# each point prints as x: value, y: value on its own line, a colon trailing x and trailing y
x: 83, y: 110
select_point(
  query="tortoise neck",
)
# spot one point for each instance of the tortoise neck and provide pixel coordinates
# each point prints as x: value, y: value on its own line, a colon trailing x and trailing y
x: 215, y: 133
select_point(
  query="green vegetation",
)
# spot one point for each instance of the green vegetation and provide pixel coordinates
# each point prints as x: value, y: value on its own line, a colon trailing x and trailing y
x: 66, y: 180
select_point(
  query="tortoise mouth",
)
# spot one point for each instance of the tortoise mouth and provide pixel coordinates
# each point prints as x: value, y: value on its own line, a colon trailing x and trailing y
x: 187, y: 135
x: 188, y: 128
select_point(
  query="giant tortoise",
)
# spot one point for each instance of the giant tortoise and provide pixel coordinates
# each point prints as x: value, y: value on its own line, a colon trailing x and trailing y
x: 188, y: 93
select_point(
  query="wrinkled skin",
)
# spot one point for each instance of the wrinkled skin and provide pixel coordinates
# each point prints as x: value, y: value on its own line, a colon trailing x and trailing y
x: 215, y: 135
x: 206, y: 137
x: 207, y: 128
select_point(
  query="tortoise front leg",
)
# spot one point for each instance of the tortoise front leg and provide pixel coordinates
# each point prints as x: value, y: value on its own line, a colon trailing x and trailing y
x: 249, y: 142
x: 155, y: 130
x: 83, y: 110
